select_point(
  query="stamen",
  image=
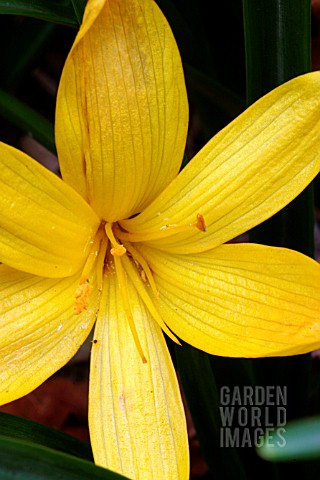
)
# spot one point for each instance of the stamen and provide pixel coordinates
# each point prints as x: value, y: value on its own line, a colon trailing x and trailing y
x: 84, y: 289
x: 165, y: 231
x: 146, y: 273
x: 141, y: 289
x: 126, y: 305
x: 143, y: 276
x: 117, y: 249
x: 100, y: 261
x: 92, y: 256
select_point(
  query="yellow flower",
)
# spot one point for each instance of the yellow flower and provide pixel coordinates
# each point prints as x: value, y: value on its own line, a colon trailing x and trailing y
x: 125, y: 241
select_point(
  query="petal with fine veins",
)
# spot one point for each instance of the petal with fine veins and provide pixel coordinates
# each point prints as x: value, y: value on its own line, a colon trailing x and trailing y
x: 45, y: 226
x: 122, y: 109
x: 39, y: 330
x: 240, y: 300
x: 136, y: 418
x: 245, y: 174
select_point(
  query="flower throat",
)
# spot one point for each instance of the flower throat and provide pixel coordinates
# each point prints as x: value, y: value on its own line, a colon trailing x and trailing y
x: 112, y: 252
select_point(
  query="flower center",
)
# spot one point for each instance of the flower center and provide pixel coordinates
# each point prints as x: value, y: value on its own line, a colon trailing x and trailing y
x: 109, y: 255
x: 112, y: 252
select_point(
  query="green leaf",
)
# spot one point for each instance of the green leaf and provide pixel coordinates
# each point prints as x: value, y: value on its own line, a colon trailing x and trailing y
x: 57, y: 11
x: 278, y: 46
x: 17, y: 60
x: 277, y: 43
x: 20, y: 460
x: 27, y: 119
x: 214, y: 92
x: 185, y: 19
x: 298, y: 440
x: 78, y: 7
x: 14, y: 427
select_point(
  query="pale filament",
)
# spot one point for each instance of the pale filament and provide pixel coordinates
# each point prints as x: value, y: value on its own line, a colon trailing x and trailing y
x: 164, y: 232
x: 100, y: 261
x: 143, y: 293
x: 145, y: 267
x: 118, y: 251
x: 126, y: 305
x: 92, y: 256
x: 94, y: 260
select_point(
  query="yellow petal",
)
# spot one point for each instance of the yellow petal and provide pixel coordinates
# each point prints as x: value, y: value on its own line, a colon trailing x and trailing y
x: 245, y: 174
x: 122, y: 109
x: 240, y: 300
x: 45, y: 226
x: 136, y: 418
x: 39, y: 330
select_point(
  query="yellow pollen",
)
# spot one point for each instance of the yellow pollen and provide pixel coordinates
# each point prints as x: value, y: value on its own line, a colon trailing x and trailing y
x: 82, y: 297
x: 164, y: 231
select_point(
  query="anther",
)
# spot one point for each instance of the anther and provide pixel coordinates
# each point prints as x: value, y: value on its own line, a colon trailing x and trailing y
x: 118, y: 250
x: 200, y: 223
